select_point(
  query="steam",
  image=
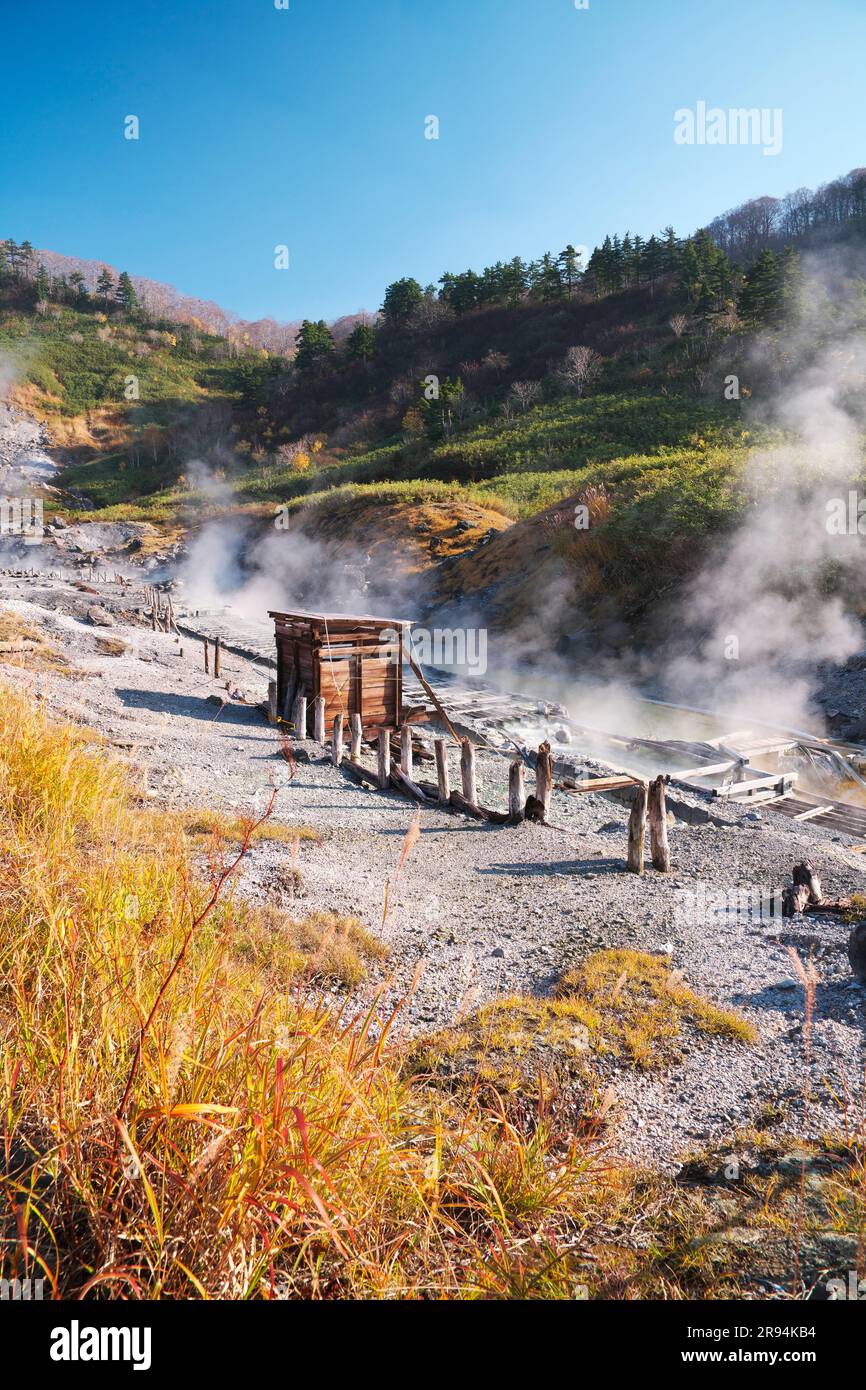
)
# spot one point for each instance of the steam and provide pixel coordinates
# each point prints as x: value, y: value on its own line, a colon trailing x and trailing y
x: 771, y: 603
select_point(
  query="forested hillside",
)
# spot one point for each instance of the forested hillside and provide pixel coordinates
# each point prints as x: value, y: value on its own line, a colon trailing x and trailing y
x: 630, y: 384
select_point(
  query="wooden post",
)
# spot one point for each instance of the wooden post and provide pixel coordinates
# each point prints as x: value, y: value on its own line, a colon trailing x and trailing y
x: 217, y: 653
x: 442, y: 769
x: 544, y: 777
x: 516, y: 789
x: 357, y: 735
x: 467, y: 771
x: 637, y: 829
x: 658, y: 824
x: 337, y: 742
x: 272, y: 702
x: 406, y: 762
x: 289, y: 698
x: 319, y: 719
x: 206, y: 655
x: 384, y: 758
x: 299, y: 714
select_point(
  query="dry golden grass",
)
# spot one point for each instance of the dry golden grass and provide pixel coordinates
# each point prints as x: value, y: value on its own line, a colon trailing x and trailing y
x: 639, y: 1007
x: 182, y: 1116
x: 203, y: 826
x: 617, y: 1003
x: 321, y: 946
x: 177, y: 1122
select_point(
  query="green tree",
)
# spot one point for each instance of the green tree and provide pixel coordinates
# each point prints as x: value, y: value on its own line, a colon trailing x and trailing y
x: 125, y: 292
x: 314, y: 346
x: 401, y: 300
x: 569, y: 268
x: 361, y: 342
x: 105, y: 285
x: 761, y: 292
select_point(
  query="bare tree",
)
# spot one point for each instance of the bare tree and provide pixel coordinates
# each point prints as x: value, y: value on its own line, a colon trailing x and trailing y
x: 679, y: 324
x: 525, y: 393
x: 581, y: 368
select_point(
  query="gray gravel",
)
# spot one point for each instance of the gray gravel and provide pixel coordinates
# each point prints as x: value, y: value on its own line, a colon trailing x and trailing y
x: 486, y: 911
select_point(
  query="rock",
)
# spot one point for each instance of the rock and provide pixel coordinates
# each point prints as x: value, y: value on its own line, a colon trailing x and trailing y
x: 562, y: 735
x: 100, y: 617
x: 857, y: 951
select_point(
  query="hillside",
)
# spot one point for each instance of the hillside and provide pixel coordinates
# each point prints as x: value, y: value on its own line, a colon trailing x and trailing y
x: 603, y: 392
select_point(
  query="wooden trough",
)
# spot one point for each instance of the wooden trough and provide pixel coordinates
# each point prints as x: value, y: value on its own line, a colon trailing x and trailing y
x: 353, y: 664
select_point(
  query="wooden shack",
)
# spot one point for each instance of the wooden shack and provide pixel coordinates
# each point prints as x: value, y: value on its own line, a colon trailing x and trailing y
x: 354, y: 662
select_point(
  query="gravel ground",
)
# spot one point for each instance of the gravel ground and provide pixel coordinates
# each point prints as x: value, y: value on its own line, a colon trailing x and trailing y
x: 484, y: 911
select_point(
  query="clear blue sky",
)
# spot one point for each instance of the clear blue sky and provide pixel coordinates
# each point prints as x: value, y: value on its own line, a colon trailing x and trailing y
x: 306, y: 127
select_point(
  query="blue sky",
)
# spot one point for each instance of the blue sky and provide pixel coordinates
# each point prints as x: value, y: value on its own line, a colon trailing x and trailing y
x: 306, y: 127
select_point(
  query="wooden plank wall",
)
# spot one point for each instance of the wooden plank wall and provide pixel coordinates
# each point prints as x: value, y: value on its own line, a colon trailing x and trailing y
x: 344, y: 661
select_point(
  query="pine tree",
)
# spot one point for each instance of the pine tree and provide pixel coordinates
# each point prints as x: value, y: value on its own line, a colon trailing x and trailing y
x: 760, y: 296
x: 43, y: 283
x: 401, y: 300
x: 314, y: 346
x: 569, y: 266
x: 105, y: 285
x: 361, y: 342
x: 125, y: 292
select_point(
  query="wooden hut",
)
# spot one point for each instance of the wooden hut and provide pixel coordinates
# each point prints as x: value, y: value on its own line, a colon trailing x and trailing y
x: 354, y: 662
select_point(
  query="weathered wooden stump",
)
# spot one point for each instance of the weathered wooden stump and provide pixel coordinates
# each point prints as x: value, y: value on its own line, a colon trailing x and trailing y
x: 857, y: 951
x: 299, y: 714
x: 637, y: 829
x: 319, y: 719
x: 384, y: 758
x: 272, y: 702
x: 516, y: 790
x: 442, y: 778
x: 337, y: 741
x: 357, y: 736
x: 544, y: 777
x: 804, y: 875
x: 407, y: 766
x: 658, y: 825
x: 795, y: 899
x: 467, y: 771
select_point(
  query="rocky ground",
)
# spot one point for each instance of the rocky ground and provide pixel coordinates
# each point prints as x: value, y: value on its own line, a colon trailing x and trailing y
x: 482, y: 911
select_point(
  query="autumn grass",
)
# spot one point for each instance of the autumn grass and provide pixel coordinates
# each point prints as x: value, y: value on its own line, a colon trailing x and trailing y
x: 182, y: 1116
x: 202, y: 826
x: 637, y: 1007
x: 618, y: 1004
x: 185, y: 1112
